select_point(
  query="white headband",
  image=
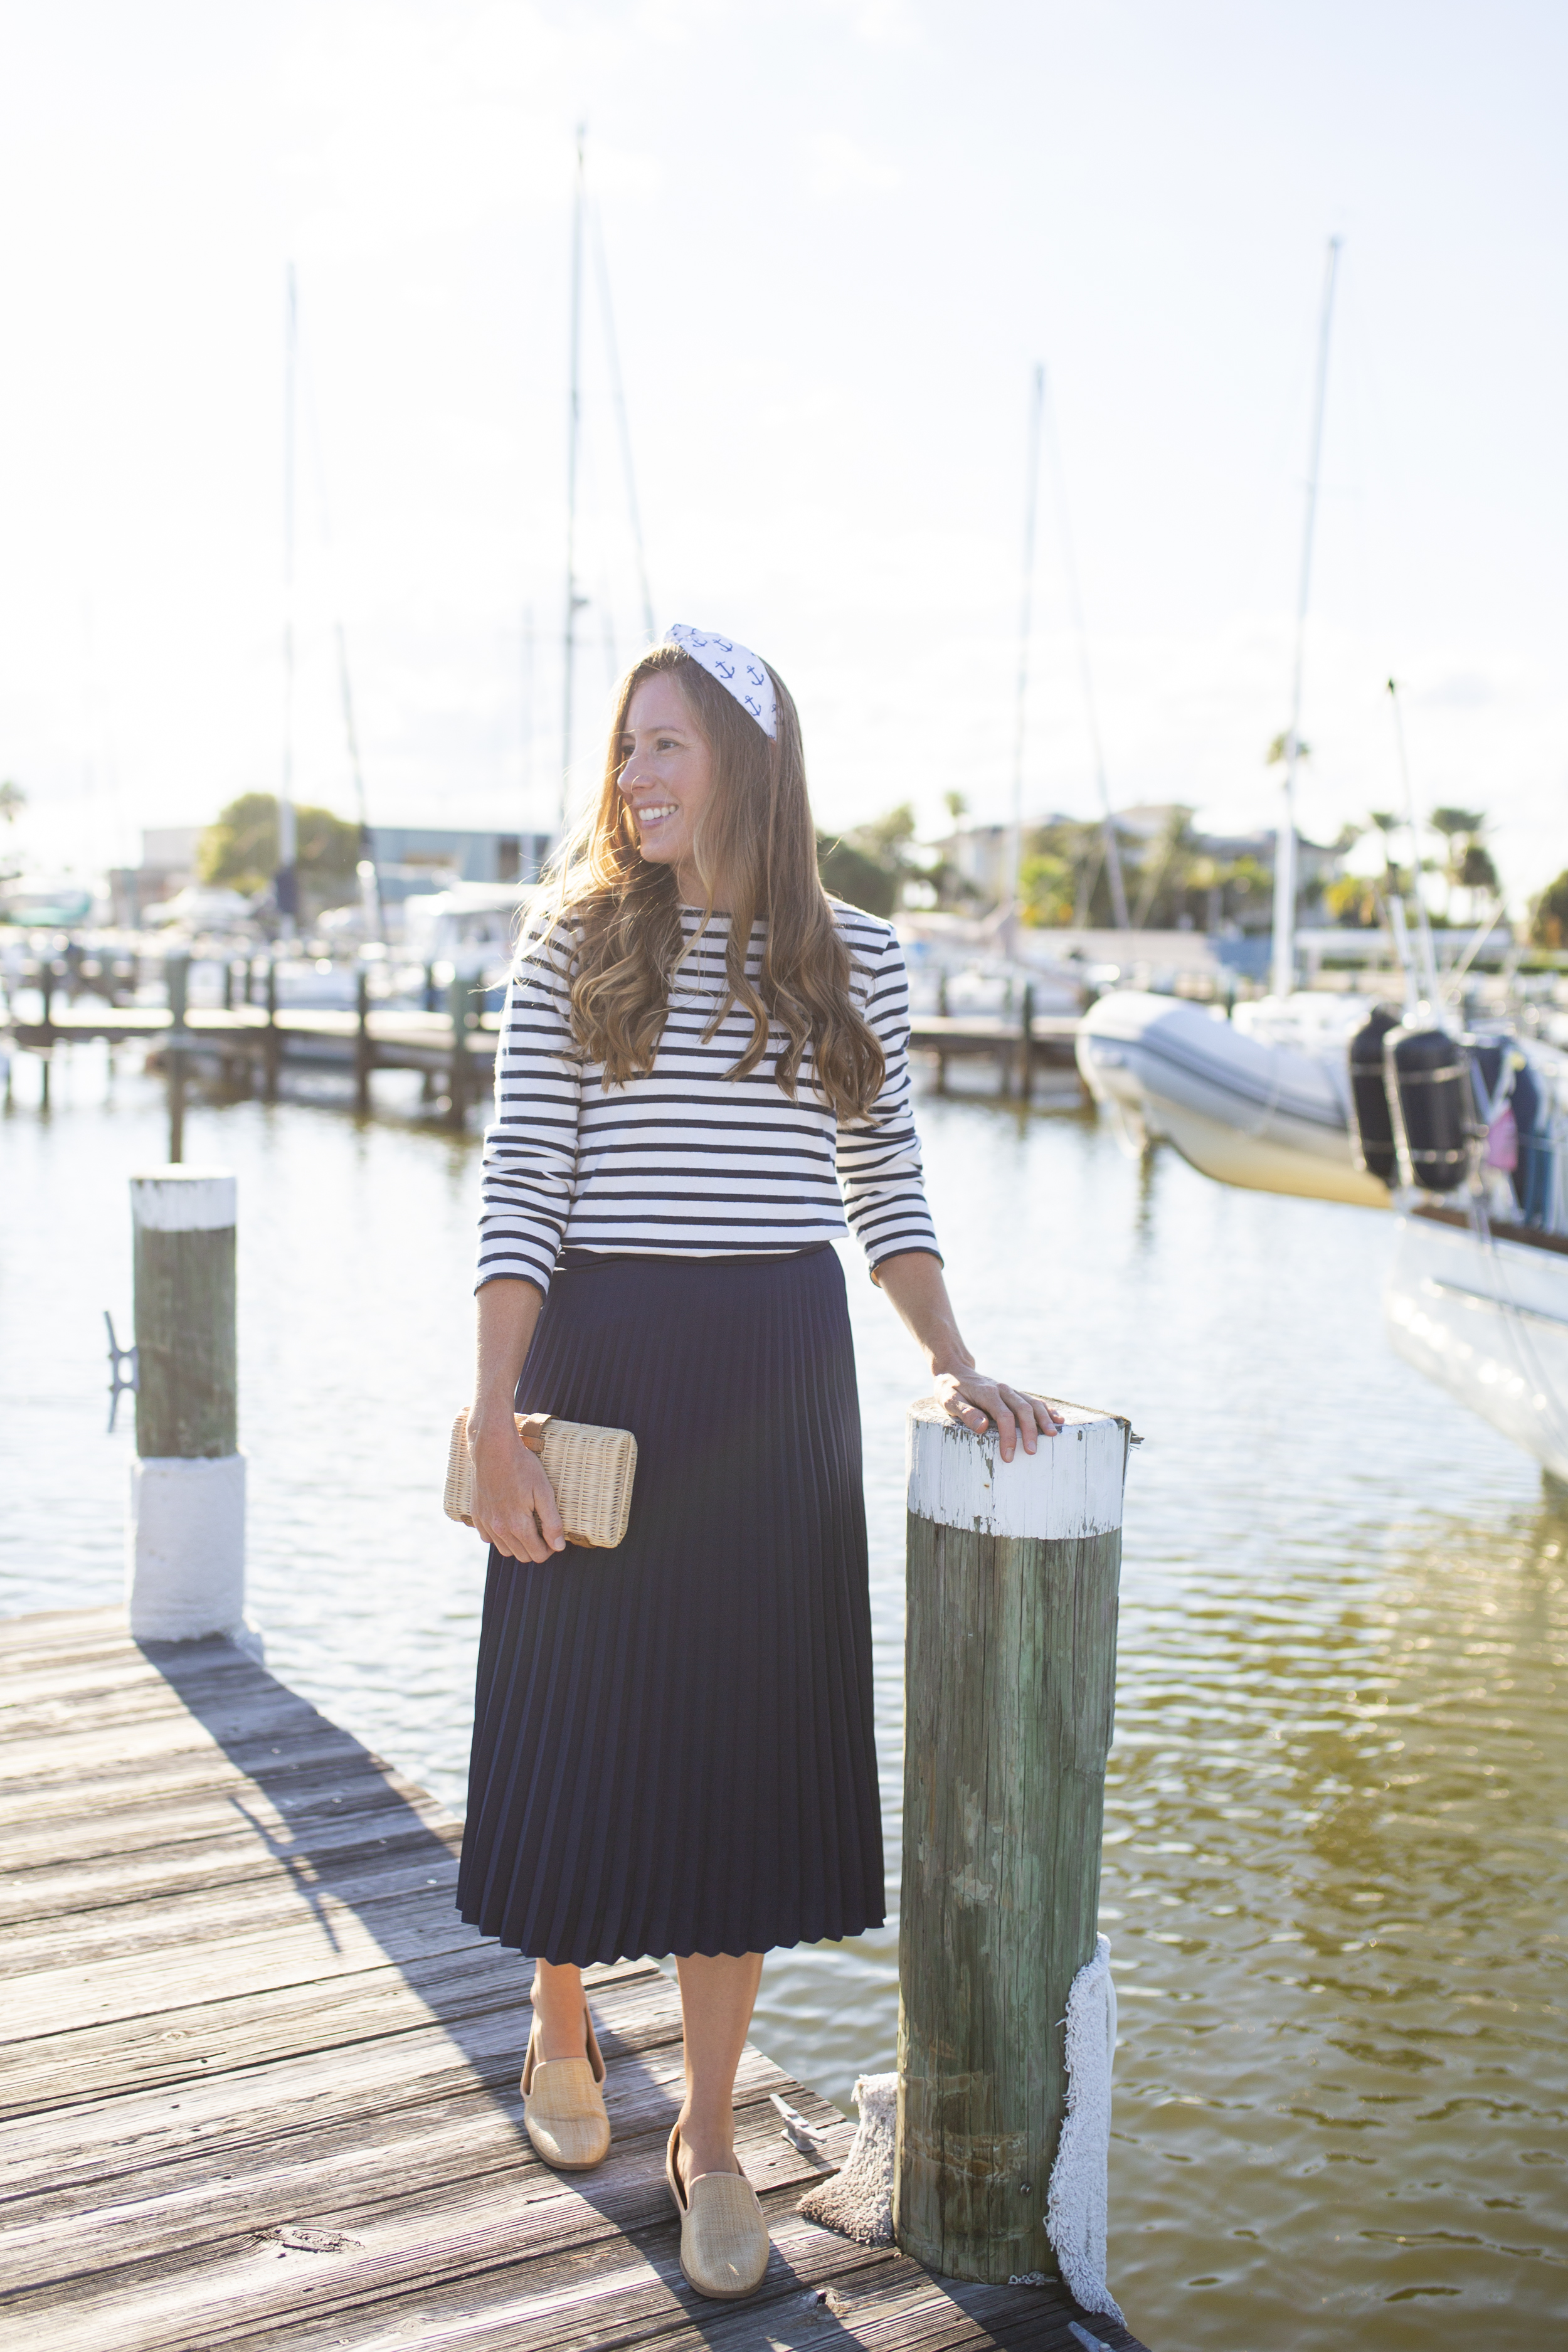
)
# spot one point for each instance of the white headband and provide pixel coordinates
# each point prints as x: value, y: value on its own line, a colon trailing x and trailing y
x: 736, y: 667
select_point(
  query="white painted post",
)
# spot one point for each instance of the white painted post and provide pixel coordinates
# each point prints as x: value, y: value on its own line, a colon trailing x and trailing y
x: 1010, y: 1670
x: 185, y: 1540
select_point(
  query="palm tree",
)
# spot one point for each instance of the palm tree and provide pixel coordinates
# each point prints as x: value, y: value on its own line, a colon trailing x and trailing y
x: 1458, y: 828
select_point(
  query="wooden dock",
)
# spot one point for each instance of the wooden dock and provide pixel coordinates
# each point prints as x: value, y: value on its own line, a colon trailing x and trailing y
x: 400, y: 1036
x: 1046, y: 1041
x: 452, y: 1045
x: 262, y: 2083
x: 454, y: 1050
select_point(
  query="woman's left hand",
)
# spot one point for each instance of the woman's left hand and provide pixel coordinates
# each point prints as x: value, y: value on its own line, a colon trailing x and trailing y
x: 981, y: 1403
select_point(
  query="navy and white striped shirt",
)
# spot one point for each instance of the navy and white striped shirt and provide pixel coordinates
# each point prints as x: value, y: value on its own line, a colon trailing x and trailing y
x: 685, y: 1162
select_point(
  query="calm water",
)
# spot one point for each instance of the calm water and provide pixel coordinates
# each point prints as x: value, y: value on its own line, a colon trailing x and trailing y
x: 1335, y: 1869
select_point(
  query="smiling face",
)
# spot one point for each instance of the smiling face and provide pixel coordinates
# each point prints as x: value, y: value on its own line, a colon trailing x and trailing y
x: 666, y: 778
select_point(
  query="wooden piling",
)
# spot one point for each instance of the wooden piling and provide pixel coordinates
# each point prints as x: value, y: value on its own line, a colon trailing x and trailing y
x: 177, y: 980
x: 186, y: 1549
x: 458, y: 1008
x: 47, y: 993
x: 1027, y: 1044
x: 274, y: 1047
x: 1010, y: 1673
x: 363, y: 1050
x: 183, y: 1224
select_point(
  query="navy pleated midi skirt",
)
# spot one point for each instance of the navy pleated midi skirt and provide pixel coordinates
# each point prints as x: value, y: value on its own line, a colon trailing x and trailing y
x: 673, y: 1746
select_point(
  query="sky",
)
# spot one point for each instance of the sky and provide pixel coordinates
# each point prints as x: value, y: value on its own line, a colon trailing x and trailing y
x: 838, y: 236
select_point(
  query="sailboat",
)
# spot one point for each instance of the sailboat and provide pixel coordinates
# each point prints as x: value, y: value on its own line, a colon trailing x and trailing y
x: 1479, y: 1304
x: 1469, y: 1133
x: 1261, y: 1099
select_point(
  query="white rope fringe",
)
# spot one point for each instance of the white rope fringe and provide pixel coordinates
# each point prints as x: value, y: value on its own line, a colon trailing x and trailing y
x: 859, y: 2202
x: 1076, y: 2204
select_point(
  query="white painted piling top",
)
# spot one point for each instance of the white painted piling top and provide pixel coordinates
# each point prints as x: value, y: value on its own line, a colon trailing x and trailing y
x: 183, y: 1200
x: 1069, y: 1486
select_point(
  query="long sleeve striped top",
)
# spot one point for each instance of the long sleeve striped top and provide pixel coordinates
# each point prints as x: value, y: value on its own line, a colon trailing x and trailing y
x: 685, y: 1162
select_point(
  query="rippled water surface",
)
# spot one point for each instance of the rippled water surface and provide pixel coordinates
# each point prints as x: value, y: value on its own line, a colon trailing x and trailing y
x: 1335, y: 1883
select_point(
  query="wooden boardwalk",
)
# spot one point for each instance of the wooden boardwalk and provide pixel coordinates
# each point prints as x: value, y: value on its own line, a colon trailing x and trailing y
x: 261, y: 2085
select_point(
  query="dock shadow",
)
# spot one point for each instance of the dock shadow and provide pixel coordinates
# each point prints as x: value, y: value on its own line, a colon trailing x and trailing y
x: 315, y: 1776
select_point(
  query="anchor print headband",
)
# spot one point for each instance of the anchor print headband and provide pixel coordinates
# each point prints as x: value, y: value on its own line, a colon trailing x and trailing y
x: 737, y: 669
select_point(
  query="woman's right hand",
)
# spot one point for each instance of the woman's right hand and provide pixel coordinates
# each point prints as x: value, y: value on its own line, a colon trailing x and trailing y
x: 514, y: 1501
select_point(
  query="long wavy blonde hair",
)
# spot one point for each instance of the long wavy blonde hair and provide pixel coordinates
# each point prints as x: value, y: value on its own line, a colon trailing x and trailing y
x: 755, y: 843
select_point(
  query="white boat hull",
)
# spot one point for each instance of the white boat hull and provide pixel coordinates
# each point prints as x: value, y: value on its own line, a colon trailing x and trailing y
x: 1267, y: 1115
x: 1489, y: 1322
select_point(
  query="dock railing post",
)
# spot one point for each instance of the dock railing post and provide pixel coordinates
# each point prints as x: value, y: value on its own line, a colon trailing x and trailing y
x: 186, y: 1543
x: 1027, y: 1044
x: 1010, y: 1668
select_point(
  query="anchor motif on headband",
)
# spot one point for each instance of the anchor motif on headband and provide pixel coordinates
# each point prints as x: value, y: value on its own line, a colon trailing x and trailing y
x: 706, y: 647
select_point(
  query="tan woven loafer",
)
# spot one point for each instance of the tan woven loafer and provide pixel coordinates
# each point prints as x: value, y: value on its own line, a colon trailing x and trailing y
x: 724, y: 2235
x: 562, y: 2107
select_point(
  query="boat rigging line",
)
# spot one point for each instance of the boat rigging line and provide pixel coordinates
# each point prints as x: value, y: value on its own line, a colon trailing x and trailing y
x: 1025, y: 622
x: 1284, y: 959
x: 372, y: 900
x: 617, y: 393
x: 574, y: 601
x: 286, y: 881
x: 1080, y: 634
x: 1423, y: 925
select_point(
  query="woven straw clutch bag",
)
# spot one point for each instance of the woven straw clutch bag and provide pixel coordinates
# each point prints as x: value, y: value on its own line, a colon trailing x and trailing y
x: 590, y: 1469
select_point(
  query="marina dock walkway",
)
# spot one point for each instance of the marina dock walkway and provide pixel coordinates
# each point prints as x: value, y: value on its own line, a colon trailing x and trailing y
x: 262, y: 2083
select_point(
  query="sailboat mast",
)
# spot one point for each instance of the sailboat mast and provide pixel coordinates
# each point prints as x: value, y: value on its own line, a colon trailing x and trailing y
x: 286, y: 884
x: 1285, y: 852
x: 1111, y: 849
x: 1025, y: 623
x: 573, y: 601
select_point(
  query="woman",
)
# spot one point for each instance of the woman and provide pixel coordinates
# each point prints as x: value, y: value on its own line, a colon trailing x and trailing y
x: 673, y: 1740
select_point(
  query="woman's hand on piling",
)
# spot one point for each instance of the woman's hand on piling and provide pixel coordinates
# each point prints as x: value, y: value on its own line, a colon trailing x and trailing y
x: 514, y: 1501
x: 981, y: 1403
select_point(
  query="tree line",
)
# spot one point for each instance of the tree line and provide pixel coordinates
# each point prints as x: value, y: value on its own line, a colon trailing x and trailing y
x: 1174, y: 878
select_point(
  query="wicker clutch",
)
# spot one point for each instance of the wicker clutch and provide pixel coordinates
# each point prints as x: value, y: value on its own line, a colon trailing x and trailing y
x: 590, y: 1469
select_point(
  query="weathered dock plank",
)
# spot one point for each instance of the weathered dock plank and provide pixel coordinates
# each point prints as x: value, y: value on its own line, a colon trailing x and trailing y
x: 261, y: 2085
